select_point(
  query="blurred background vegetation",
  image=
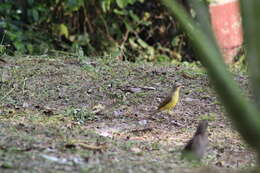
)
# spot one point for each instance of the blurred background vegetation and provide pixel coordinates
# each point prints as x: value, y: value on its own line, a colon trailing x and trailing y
x: 133, y: 30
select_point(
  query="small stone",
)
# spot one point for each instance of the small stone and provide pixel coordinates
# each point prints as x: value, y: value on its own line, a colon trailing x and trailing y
x: 142, y: 122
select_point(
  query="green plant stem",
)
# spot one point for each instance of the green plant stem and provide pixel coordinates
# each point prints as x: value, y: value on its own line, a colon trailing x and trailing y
x: 251, y: 14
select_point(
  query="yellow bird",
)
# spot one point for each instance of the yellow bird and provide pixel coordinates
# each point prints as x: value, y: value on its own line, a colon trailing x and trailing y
x: 170, y: 101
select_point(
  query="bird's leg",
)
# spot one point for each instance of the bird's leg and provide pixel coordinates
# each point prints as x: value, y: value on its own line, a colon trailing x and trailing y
x: 170, y: 112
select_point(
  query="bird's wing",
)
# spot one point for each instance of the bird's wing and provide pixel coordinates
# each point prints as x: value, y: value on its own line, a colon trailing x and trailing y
x: 188, y: 146
x: 187, y: 150
x: 167, y: 100
x: 200, y: 146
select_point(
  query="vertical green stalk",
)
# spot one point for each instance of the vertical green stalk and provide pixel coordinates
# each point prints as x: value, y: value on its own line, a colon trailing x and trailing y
x: 251, y: 15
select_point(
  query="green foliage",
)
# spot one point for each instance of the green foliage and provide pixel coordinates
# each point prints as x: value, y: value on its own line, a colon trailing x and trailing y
x: 20, y: 25
x: 80, y: 115
x: 209, y: 117
x: 2, y: 47
x: 125, y: 29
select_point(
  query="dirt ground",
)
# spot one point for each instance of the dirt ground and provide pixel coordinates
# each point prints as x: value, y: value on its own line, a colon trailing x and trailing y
x: 98, y: 115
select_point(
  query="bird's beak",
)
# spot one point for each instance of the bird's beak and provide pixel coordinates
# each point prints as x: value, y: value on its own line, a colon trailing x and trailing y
x: 178, y: 84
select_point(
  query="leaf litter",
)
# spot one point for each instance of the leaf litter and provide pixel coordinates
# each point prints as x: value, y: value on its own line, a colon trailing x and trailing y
x: 67, y: 115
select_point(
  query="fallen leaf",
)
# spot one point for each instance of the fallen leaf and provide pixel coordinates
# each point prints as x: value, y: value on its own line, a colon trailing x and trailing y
x: 93, y: 147
x: 98, y: 108
x: 136, y: 150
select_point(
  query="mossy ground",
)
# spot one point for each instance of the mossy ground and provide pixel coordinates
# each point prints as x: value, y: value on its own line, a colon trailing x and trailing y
x: 98, y: 115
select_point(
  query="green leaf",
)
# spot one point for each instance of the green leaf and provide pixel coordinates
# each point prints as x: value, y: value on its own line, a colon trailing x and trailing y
x: 142, y: 43
x: 63, y: 30
x: 105, y: 5
x: 119, y: 12
x: 35, y: 15
x: 19, y: 46
x: 30, y: 2
x: 128, y: 26
x: 29, y: 48
x: 132, y: 43
x: 121, y: 3
x: 134, y: 17
x: 175, y: 41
